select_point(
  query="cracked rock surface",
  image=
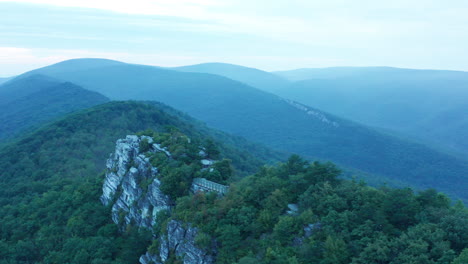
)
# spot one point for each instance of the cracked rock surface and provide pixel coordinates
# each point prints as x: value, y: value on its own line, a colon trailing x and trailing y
x: 132, y: 187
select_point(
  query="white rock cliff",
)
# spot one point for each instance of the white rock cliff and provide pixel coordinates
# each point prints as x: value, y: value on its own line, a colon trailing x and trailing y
x: 132, y: 187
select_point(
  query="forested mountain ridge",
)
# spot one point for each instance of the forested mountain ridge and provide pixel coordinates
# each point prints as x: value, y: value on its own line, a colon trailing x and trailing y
x: 409, y: 102
x: 295, y: 212
x: 299, y: 212
x: 34, y: 100
x: 50, y: 183
x: 93, y: 133
x: 258, y: 116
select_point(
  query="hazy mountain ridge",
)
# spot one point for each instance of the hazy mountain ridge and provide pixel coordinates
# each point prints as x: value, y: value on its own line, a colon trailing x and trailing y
x: 368, y: 73
x: 314, y: 86
x: 4, y: 80
x: 251, y: 76
x: 411, y: 102
x: 34, y: 100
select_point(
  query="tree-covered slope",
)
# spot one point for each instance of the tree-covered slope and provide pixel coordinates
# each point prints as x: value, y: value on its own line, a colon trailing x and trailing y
x: 262, y: 117
x: 50, y: 183
x: 31, y: 101
x: 300, y: 212
x: 50, y: 210
x: 411, y: 102
x: 446, y: 128
x: 75, y: 145
x: 254, y: 77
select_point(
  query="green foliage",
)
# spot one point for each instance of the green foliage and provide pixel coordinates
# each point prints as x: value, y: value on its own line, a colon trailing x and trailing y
x: 66, y: 224
x: 339, y: 221
x: 401, y: 207
x: 335, y: 251
x: 203, y: 241
x: 144, y: 145
x: 50, y: 183
x: 211, y: 149
x: 50, y: 210
x: 285, y: 229
x: 462, y: 258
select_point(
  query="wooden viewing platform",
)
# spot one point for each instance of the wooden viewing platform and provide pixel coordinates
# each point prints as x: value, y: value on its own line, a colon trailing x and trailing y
x: 202, y: 184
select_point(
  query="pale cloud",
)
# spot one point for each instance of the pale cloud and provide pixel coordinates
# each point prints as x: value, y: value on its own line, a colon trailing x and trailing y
x: 240, y: 16
x: 270, y: 35
x: 330, y: 23
x: 178, y: 8
x: 17, y: 56
x: 15, y: 60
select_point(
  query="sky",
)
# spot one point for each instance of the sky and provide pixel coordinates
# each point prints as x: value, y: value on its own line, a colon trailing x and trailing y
x: 269, y: 35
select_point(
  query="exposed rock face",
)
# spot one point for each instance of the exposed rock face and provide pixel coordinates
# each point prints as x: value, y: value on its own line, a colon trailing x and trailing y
x: 293, y: 209
x: 132, y: 183
x: 314, y: 113
x: 133, y: 188
x: 180, y: 240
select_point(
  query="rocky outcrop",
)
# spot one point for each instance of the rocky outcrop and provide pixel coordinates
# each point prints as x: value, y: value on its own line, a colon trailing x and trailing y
x: 132, y: 187
x: 180, y: 240
x: 309, y: 230
x: 313, y: 113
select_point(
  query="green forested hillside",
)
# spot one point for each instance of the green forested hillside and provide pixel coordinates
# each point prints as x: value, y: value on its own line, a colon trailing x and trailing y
x: 336, y: 222
x: 51, y: 181
x: 447, y: 128
x: 34, y: 100
x: 77, y: 144
x: 50, y: 210
x: 262, y: 117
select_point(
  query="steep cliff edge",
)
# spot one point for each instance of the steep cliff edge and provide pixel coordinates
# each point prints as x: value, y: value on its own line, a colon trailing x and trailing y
x: 179, y: 240
x: 132, y: 187
x: 128, y: 171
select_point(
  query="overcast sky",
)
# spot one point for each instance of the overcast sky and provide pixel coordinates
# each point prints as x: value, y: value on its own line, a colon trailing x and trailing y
x: 270, y: 35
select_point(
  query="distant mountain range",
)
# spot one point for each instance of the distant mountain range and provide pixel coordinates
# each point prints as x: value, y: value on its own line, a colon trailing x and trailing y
x: 240, y: 109
x: 33, y: 100
x: 428, y: 106
x: 254, y: 77
x: 370, y: 73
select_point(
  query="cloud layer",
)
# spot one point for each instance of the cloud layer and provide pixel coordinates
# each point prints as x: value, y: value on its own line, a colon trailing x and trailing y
x: 285, y: 34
